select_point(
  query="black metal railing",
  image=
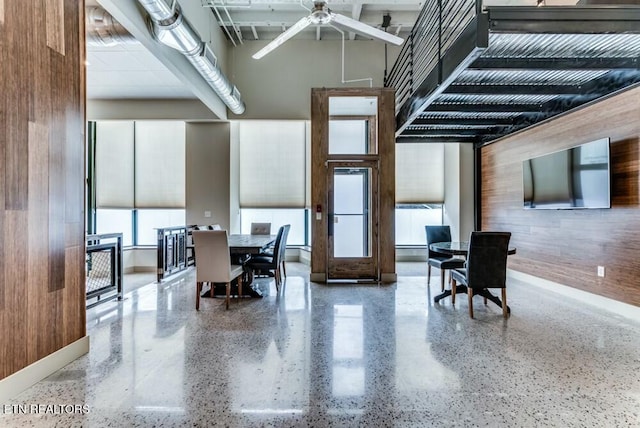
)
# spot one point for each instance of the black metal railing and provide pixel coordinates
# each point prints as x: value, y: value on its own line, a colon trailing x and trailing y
x: 103, y: 268
x: 175, y: 250
x: 438, y: 26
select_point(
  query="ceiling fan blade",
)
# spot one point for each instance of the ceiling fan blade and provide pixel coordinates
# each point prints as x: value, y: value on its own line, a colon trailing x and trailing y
x: 283, y: 37
x: 364, y: 29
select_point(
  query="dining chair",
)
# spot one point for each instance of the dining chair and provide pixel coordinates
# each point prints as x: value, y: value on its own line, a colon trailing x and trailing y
x: 273, y: 262
x: 214, y: 262
x: 438, y: 260
x: 486, y: 267
x: 261, y: 228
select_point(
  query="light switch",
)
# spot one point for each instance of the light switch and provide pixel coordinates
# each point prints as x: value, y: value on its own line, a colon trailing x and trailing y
x: 207, y: 214
x: 318, y: 216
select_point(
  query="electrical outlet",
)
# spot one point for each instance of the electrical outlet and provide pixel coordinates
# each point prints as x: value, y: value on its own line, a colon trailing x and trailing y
x: 601, y: 271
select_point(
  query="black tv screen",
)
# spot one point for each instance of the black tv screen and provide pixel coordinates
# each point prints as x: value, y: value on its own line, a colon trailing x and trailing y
x: 569, y: 179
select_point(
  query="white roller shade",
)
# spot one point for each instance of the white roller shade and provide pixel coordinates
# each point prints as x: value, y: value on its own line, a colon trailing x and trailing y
x: 114, y: 164
x: 419, y: 173
x: 160, y: 164
x: 272, y: 164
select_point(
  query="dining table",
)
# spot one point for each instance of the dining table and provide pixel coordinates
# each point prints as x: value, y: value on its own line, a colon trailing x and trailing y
x: 461, y: 248
x: 241, y: 247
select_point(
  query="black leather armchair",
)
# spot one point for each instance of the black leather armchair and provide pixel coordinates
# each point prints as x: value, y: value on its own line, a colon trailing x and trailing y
x: 486, y: 268
x: 439, y: 260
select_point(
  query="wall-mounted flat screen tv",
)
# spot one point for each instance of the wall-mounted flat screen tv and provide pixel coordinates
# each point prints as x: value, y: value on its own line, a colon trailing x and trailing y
x: 569, y: 179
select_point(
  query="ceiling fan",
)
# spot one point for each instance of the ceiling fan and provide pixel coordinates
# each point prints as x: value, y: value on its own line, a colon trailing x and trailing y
x: 322, y: 15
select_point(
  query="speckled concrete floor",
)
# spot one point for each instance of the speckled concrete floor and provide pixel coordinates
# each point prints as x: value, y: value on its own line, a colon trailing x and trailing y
x: 343, y: 356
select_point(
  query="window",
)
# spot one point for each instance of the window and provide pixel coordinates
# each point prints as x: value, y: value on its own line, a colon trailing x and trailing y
x: 411, y: 220
x: 273, y: 176
x: 149, y: 220
x: 277, y: 217
x: 139, y: 178
x: 115, y: 221
x: 419, y: 190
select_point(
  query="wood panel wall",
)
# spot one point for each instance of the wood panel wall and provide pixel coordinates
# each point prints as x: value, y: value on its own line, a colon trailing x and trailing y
x: 42, y: 306
x: 566, y: 246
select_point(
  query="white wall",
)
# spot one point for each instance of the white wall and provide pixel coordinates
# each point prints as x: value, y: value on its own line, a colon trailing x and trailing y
x: 458, y: 189
x: 208, y: 173
x: 278, y: 86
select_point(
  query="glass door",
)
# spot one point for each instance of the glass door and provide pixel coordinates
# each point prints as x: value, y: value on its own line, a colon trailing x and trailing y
x: 352, y: 222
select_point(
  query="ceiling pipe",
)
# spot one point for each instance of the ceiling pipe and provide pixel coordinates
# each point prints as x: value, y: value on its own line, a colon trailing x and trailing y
x: 103, y: 30
x: 170, y: 28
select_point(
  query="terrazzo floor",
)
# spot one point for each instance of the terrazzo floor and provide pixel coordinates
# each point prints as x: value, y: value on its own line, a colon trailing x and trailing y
x: 344, y: 356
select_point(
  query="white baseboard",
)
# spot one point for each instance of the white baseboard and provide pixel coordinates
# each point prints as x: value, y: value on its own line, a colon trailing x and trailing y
x: 14, y: 384
x: 619, y: 308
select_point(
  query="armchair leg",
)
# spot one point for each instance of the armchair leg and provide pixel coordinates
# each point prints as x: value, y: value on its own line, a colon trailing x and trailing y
x: 198, y: 291
x: 470, y: 294
x: 228, y: 295
x: 505, y: 313
x: 442, y: 273
x: 428, y: 274
x: 453, y: 292
x: 284, y: 269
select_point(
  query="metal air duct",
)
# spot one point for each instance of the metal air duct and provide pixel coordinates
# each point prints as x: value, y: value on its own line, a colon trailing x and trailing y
x: 171, y: 29
x: 103, y: 30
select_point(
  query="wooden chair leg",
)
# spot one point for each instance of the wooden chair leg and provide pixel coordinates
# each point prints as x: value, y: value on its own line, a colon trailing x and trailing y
x: 442, y: 273
x: 239, y: 287
x: 504, y: 303
x: 453, y: 292
x: 228, y: 295
x: 485, y: 300
x: 428, y: 274
x: 198, y: 291
x: 470, y: 294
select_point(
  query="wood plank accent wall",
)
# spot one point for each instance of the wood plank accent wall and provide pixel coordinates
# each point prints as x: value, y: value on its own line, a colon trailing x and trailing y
x: 566, y: 246
x: 42, y: 116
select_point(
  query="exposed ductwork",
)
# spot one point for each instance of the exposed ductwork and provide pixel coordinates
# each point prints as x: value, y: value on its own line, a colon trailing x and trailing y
x: 103, y: 30
x: 171, y: 29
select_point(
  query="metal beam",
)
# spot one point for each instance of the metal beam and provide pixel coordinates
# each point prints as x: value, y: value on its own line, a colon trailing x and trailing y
x: 555, y: 63
x: 533, y: 89
x: 439, y: 132
x: 463, y: 121
x: 475, y: 107
x: 434, y: 139
x: 568, y: 20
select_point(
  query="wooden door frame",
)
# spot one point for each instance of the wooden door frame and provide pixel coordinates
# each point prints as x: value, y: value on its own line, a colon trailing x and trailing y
x: 385, y: 134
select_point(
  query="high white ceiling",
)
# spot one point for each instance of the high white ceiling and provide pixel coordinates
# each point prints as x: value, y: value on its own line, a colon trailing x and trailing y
x: 265, y: 19
x: 130, y: 71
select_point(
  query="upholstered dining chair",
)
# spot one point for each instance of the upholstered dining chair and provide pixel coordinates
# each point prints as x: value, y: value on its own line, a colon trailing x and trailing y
x: 486, y: 267
x: 273, y: 262
x: 438, y: 260
x: 214, y: 262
